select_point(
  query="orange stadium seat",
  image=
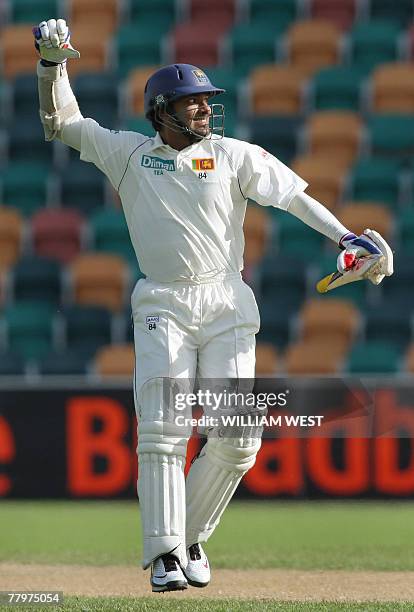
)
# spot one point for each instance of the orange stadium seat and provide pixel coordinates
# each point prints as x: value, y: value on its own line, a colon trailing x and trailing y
x: 335, y: 134
x: 333, y: 321
x: 93, y: 49
x: 276, y: 90
x: 312, y: 45
x: 358, y: 216
x: 17, y: 50
x: 409, y: 359
x: 393, y: 88
x: 11, y: 228
x: 103, y: 15
x: 325, y: 176
x: 313, y: 358
x: 340, y: 12
x: 56, y: 233
x: 99, y: 279
x: 115, y: 360
x: 136, y: 81
x: 266, y: 359
x: 223, y: 10
x: 256, y: 234
x: 198, y: 42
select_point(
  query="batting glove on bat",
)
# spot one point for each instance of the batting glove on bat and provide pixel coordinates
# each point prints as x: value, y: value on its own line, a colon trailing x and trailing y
x: 52, y: 40
x: 369, y: 243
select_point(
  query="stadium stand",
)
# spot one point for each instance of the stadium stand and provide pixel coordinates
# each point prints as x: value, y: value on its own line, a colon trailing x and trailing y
x: 336, y: 88
x: 115, y: 360
x: 37, y: 279
x: 85, y: 328
x: 325, y: 175
x: 11, y: 233
x: 377, y: 180
x: 373, y: 358
x: 267, y: 362
x: 29, y: 328
x: 341, y: 12
x: 276, y: 90
x: 29, y: 195
x: 372, y: 43
x: 336, y: 134
x: 57, y: 233
x: 99, y: 279
x: 312, y: 358
x: 393, y: 88
x: 312, y: 44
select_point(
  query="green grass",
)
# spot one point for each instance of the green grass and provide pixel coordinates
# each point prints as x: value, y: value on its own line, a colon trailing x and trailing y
x: 161, y: 603
x: 308, y: 535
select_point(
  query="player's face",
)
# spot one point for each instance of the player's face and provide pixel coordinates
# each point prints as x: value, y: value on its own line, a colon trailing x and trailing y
x: 195, y: 112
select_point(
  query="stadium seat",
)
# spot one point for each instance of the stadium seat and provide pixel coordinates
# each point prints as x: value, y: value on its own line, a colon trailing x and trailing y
x: 86, y: 328
x: 373, y: 358
x: 313, y: 358
x: 11, y: 364
x: 393, y: 88
x: 58, y: 363
x: 325, y: 176
x: 93, y: 44
x: 409, y: 359
x: 372, y: 43
x: 97, y: 96
x: 399, y: 288
x: 275, y: 321
x: 388, y: 323
x: 224, y: 11
x: 336, y: 88
x: 116, y: 360
x: 256, y: 234
x: 283, y: 281
x: 295, y: 237
x: 103, y: 14
x: 56, y: 233
x: 11, y: 230
x: 400, y: 12
x: 135, y: 85
x: 283, y: 12
x: 341, y: 12
x: 406, y: 229
x: 82, y: 186
x: 110, y: 234
x: 29, y: 329
x: 332, y: 320
x: 138, y: 124
x: 376, y: 180
x: 276, y: 90
x: 99, y: 279
x: 252, y: 44
x: 336, y: 134
x: 27, y: 141
x: 357, y: 216
x: 148, y: 12
x: 36, y: 279
x: 391, y: 136
x: 277, y: 134
x: 25, y: 100
x: 138, y: 46
x: 313, y: 44
x: 27, y: 11
x: 197, y: 42
x: 29, y: 194
x: 267, y: 363
x: 18, y: 52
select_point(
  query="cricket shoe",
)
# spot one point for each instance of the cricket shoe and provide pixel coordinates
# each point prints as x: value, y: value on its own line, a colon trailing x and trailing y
x: 167, y: 575
x: 197, y: 571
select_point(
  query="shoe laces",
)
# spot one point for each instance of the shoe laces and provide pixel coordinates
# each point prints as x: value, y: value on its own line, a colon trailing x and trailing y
x: 194, y: 552
x: 170, y: 563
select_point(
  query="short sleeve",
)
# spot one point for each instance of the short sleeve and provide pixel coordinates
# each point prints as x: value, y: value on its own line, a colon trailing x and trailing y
x: 109, y: 150
x: 265, y: 179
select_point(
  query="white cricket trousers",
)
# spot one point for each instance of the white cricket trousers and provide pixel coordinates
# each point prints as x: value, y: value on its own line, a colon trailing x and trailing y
x: 183, y: 330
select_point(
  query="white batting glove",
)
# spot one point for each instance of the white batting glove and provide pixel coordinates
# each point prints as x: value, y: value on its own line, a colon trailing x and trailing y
x: 52, y: 40
x: 369, y: 243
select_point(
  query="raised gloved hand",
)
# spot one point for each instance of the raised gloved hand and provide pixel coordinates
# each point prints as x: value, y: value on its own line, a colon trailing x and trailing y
x: 369, y: 243
x: 52, y: 40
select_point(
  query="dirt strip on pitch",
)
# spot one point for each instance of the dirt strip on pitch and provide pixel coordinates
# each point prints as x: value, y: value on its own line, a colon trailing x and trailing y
x: 278, y: 584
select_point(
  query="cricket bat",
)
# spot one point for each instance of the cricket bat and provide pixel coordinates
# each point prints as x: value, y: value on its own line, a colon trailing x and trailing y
x: 364, y: 267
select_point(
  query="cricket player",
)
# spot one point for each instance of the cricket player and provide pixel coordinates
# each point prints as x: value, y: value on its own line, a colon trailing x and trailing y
x: 184, y: 193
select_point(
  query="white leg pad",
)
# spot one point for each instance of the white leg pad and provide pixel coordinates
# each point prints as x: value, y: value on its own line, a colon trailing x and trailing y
x: 212, y: 481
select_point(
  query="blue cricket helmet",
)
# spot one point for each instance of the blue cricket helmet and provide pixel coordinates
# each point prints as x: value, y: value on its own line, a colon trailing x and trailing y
x: 176, y: 81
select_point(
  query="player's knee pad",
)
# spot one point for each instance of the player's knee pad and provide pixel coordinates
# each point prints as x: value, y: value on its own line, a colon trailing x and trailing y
x: 233, y: 454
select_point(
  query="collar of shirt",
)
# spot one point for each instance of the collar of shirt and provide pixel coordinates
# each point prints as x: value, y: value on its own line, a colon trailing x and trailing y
x: 157, y: 142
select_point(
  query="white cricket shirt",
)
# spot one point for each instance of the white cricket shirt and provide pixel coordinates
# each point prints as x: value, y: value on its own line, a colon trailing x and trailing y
x: 185, y: 209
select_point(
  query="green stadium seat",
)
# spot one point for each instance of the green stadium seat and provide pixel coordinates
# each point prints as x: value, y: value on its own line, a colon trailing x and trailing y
x: 28, y: 11
x: 375, y: 180
x: 11, y: 364
x: 37, y: 279
x: 86, y: 328
x: 138, y: 46
x: 388, y: 323
x: 282, y: 12
x: 97, y: 96
x: 82, y: 186
x: 29, y: 194
x: 373, y: 358
x: 337, y: 88
x: 283, y: 281
x: 372, y: 43
x: 276, y: 134
x: 253, y: 44
x: 295, y: 237
x: 29, y: 328
x: 138, y: 124
x: 392, y: 136
x: 148, y: 12
x: 399, y: 288
x: 110, y: 234
x: 274, y: 325
x: 27, y: 140
x: 58, y: 363
x: 405, y: 223
x: 401, y: 12
x: 24, y: 97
